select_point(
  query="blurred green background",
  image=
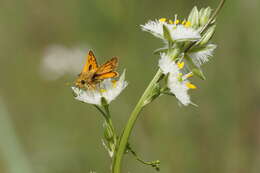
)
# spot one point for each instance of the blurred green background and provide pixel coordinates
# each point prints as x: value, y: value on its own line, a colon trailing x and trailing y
x: 43, y: 129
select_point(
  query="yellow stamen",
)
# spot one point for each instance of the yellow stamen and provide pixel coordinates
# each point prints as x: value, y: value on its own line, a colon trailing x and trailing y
x: 180, y: 65
x: 114, y: 83
x: 183, y: 22
x: 171, y: 22
x: 187, y: 24
x: 103, y: 90
x: 162, y: 20
x: 176, y: 22
x: 190, y: 85
x: 189, y: 75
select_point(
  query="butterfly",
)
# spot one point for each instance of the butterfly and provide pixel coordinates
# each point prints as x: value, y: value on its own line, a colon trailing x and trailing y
x: 92, y: 73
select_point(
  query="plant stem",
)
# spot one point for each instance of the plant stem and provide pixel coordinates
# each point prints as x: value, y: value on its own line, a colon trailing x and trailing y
x: 116, y: 167
x: 110, y: 129
x: 155, y: 164
x: 110, y: 124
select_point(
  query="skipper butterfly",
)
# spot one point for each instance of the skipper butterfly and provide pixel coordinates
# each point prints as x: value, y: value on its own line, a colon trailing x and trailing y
x: 92, y: 74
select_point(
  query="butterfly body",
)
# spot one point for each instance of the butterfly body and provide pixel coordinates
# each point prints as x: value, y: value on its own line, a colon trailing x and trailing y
x: 92, y: 74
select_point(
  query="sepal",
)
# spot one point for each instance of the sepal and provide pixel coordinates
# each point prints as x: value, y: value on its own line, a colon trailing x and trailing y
x: 104, y: 102
x: 167, y: 34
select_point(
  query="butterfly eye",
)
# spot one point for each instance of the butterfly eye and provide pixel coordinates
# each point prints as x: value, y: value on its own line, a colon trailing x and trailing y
x: 82, y: 82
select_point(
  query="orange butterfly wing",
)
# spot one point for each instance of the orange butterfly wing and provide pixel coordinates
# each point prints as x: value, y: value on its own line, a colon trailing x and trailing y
x: 106, y: 75
x: 91, y: 63
x: 109, y: 66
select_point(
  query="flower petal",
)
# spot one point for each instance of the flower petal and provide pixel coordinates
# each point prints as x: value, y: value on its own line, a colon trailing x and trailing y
x: 202, y: 56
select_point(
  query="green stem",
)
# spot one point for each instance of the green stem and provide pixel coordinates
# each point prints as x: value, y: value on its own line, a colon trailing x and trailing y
x: 155, y: 164
x: 116, y: 167
x: 109, y: 124
x: 101, y: 111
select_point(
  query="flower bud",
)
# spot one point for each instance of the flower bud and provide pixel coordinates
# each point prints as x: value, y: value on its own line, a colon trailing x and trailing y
x: 204, y: 15
x: 207, y: 36
x: 194, y: 17
x: 108, y: 133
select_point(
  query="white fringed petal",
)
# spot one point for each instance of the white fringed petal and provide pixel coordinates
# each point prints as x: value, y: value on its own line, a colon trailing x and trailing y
x: 179, y: 89
x: 178, y: 32
x: 203, y: 56
x: 176, y: 82
x: 167, y: 65
x: 107, y: 89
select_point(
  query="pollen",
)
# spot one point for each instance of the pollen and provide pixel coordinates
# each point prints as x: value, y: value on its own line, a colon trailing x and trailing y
x: 103, y: 90
x: 190, y: 85
x: 162, y: 20
x: 114, y: 83
x: 171, y: 22
x: 180, y: 65
x: 187, y: 24
x: 189, y: 75
x: 176, y: 22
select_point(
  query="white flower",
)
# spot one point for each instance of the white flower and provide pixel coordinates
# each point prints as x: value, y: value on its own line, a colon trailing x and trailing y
x: 177, y: 82
x: 111, y: 88
x: 88, y: 96
x: 179, y: 88
x: 167, y: 65
x: 154, y: 27
x: 178, y: 32
x: 183, y: 33
x: 108, y: 89
x: 202, y: 56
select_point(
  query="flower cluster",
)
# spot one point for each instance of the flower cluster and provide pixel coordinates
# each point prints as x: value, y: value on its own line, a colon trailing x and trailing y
x: 187, y: 47
x: 108, y: 89
x: 178, y: 31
